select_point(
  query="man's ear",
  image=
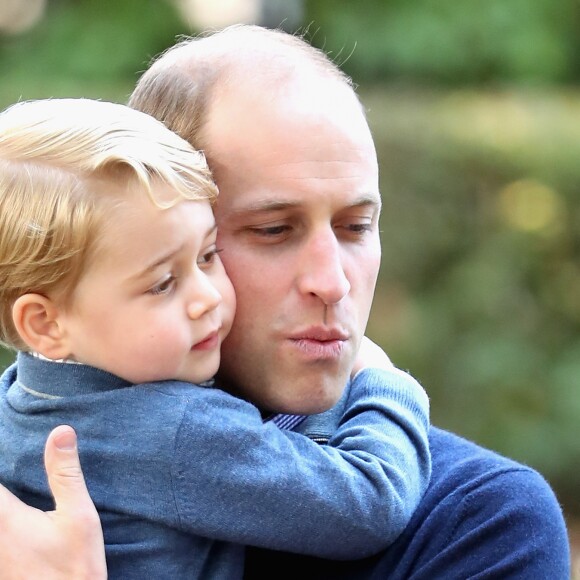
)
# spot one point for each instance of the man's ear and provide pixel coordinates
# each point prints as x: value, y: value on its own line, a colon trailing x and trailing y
x: 36, y: 319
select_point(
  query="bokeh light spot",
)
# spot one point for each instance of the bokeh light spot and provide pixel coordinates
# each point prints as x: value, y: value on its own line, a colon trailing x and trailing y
x: 530, y: 206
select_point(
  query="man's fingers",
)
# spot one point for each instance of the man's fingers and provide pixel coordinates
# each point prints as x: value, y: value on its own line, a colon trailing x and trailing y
x: 371, y: 355
x: 63, y: 469
x: 9, y: 505
x: 75, y: 518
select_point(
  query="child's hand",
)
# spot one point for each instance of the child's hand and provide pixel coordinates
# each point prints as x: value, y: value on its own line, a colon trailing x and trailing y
x: 371, y: 355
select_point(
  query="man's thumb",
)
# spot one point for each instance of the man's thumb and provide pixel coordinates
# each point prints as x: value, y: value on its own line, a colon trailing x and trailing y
x: 63, y: 469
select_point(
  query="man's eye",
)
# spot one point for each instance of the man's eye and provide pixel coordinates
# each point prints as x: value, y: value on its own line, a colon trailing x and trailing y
x: 163, y: 287
x: 355, y: 229
x: 209, y: 257
x: 359, y: 228
x: 271, y: 231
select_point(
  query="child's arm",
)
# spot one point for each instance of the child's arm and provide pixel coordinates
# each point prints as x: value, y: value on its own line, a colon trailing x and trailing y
x: 254, y: 484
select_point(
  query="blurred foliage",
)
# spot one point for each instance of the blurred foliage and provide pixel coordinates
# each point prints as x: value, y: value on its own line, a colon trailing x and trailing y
x: 6, y: 357
x: 479, y: 294
x: 446, y: 41
x: 94, y: 46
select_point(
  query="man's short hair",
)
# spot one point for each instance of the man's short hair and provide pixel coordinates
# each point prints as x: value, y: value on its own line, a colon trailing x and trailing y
x: 181, y: 84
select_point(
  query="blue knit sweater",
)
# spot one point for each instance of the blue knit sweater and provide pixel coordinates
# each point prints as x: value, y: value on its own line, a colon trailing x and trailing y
x: 184, y: 475
x: 483, y: 516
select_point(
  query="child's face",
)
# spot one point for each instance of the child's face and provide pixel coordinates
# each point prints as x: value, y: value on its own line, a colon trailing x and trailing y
x: 155, y: 302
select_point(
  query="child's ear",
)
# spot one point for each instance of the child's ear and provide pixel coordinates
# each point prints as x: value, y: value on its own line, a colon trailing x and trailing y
x: 36, y: 319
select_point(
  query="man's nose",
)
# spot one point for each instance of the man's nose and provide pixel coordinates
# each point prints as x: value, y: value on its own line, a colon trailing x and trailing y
x: 203, y: 296
x: 321, y: 269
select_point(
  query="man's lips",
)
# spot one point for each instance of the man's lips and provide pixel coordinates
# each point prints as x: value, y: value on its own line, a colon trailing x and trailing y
x: 318, y: 343
x: 208, y: 343
x: 320, y: 333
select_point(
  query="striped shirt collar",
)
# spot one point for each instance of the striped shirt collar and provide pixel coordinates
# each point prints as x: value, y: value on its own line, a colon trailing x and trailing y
x: 286, y: 422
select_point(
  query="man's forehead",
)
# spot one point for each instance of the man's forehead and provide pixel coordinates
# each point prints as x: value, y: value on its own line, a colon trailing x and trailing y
x: 263, y: 107
x: 277, y: 154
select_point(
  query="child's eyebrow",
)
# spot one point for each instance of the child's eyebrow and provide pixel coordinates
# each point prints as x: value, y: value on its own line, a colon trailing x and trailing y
x: 170, y: 255
x: 162, y: 260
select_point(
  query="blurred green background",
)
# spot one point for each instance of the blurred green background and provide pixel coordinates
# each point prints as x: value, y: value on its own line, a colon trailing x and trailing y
x: 475, y: 109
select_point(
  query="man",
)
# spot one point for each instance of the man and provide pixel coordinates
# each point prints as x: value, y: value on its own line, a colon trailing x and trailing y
x: 294, y: 160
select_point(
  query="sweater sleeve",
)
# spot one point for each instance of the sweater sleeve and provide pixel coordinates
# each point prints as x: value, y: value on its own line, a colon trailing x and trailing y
x: 238, y: 479
x: 482, y: 516
x: 509, y: 526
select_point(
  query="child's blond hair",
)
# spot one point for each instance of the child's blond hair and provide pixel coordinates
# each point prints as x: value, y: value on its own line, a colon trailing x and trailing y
x: 50, y: 217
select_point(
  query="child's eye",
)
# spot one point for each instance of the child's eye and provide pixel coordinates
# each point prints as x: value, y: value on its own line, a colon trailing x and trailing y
x: 164, y: 287
x: 208, y: 258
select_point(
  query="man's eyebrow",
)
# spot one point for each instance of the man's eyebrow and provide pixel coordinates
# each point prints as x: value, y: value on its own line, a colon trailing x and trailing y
x: 367, y: 199
x: 265, y: 206
x: 272, y: 205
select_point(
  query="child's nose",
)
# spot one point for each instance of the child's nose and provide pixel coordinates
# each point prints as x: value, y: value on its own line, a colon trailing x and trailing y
x: 205, y: 297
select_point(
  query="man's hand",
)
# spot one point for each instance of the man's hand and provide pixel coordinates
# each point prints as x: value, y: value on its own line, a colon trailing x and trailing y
x: 371, y: 355
x: 63, y: 544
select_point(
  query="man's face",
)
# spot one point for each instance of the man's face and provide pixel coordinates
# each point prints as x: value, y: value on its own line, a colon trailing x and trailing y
x: 298, y: 222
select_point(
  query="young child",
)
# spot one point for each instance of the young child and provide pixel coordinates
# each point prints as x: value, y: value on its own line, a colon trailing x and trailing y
x: 113, y: 293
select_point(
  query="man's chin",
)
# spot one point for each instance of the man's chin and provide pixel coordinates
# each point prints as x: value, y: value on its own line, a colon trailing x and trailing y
x: 311, y: 402
x: 305, y: 396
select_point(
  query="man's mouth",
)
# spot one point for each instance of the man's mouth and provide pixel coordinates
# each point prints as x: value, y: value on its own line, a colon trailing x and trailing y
x: 319, y: 343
